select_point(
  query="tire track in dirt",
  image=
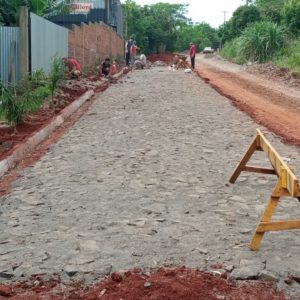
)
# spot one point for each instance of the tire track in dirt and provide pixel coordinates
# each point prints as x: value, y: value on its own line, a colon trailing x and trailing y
x: 275, y: 110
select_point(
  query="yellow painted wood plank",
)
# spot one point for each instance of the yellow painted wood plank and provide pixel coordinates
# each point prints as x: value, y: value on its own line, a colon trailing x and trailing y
x: 290, y: 181
x: 239, y: 168
x: 255, y: 169
x: 278, y: 225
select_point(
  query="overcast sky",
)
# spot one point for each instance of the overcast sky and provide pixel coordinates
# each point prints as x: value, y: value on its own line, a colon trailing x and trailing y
x: 209, y: 11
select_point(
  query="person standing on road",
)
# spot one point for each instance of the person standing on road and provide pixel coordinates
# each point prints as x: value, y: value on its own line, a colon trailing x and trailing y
x: 133, y: 49
x: 127, y: 51
x: 192, y: 54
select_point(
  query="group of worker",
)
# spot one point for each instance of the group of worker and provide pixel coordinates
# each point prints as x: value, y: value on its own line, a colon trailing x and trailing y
x: 109, y: 69
x: 74, y: 68
x: 131, y: 53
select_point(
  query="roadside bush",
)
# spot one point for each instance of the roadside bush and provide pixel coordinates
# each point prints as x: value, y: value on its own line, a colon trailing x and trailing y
x: 289, y: 57
x: 31, y: 93
x: 290, y: 14
x: 38, y: 78
x: 260, y: 41
x: 56, y: 75
x: 12, y: 107
x: 36, y: 98
x: 231, y: 51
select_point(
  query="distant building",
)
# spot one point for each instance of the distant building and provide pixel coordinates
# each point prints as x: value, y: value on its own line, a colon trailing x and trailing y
x: 85, y: 11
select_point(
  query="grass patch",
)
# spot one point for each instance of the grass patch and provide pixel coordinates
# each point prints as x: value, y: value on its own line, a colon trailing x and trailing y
x: 289, y: 57
x: 231, y: 51
x: 258, y: 43
x: 30, y: 94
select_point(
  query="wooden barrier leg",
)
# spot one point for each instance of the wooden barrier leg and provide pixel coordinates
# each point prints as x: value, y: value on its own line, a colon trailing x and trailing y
x: 239, y: 168
x: 267, y: 215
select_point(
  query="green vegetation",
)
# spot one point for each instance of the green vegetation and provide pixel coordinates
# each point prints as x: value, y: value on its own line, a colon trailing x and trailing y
x: 56, y: 75
x: 9, y: 9
x: 12, y: 107
x: 269, y: 31
x: 270, y: 10
x: 289, y: 57
x: 291, y: 16
x: 232, y: 51
x: 201, y: 34
x: 31, y: 93
x: 154, y: 27
x: 163, y: 27
x: 260, y: 41
x: 258, y: 32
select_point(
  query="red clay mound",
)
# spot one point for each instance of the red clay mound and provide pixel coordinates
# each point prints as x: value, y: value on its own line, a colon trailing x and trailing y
x: 165, y: 57
x: 175, y: 284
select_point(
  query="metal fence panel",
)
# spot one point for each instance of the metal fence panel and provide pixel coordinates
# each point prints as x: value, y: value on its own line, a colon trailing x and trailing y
x: 9, y: 54
x: 47, y: 40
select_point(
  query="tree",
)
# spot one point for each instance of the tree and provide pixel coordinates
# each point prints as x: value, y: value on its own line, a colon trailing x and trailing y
x: 132, y: 15
x: 291, y: 15
x: 154, y: 27
x: 248, y: 1
x: 9, y: 9
x: 226, y: 32
x: 202, y: 35
x: 270, y: 9
x: 242, y: 17
x: 39, y: 6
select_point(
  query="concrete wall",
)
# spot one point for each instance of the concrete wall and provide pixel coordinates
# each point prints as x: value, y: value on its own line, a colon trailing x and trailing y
x: 93, y: 42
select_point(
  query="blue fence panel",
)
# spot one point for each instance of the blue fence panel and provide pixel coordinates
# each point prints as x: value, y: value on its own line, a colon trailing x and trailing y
x: 47, y: 41
x: 9, y: 55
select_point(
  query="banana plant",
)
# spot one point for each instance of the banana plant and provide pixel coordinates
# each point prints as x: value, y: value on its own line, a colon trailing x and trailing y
x: 39, y: 6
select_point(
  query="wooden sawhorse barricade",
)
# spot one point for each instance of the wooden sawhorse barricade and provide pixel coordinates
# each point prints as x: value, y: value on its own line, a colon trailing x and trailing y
x: 287, y: 185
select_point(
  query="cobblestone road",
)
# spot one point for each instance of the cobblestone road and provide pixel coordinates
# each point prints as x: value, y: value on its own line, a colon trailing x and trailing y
x: 142, y: 180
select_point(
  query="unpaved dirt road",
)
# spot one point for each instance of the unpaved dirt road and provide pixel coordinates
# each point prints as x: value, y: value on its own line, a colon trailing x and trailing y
x: 270, y: 103
x: 141, y: 180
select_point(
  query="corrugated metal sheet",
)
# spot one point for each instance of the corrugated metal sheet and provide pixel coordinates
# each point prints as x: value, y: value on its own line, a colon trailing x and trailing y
x: 120, y: 20
x: 95, y: 15
x: 115, y: 17
x: 47, y: 40
x: 9, y: 54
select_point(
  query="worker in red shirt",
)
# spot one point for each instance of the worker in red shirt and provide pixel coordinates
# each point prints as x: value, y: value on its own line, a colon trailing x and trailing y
x: 73, y: 66
x: 133, y: 49
x: 192, y: 54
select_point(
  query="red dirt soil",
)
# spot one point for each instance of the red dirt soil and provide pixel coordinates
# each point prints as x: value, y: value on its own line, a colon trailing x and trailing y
x: 165, y: 57
x: 173, y: 284
x: 275, y: 110
x: 10, y: 137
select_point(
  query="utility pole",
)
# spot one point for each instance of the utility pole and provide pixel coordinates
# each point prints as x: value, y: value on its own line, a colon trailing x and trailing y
x: 225, y: 12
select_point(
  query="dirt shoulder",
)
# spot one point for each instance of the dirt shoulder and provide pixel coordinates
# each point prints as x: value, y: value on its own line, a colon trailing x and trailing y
x: 269, y: 98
